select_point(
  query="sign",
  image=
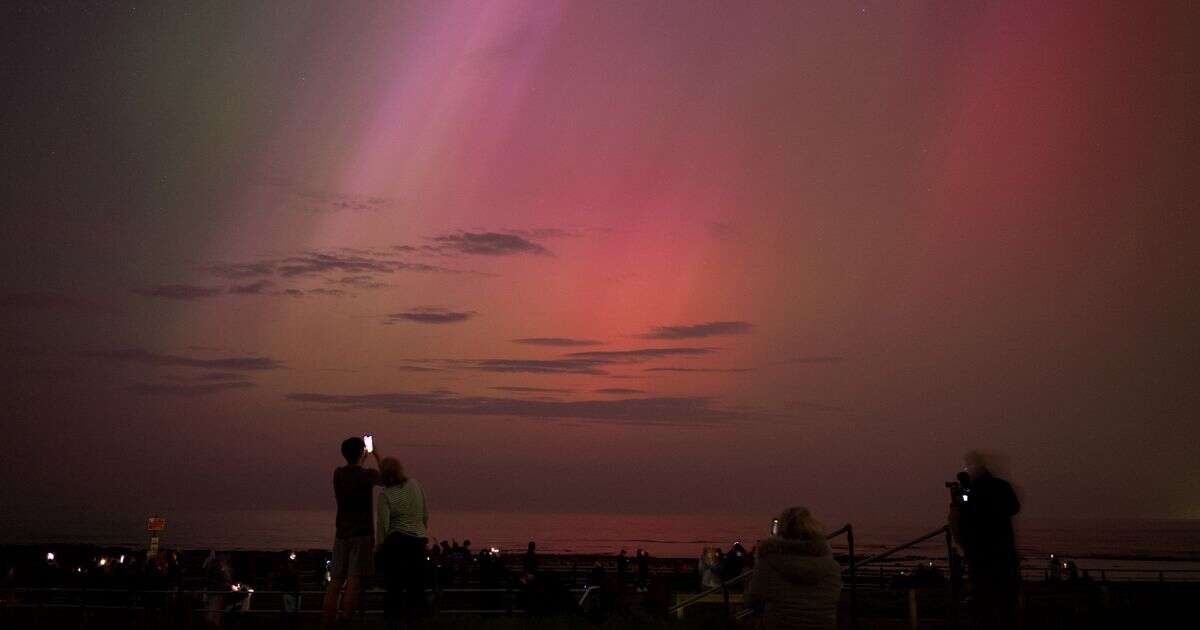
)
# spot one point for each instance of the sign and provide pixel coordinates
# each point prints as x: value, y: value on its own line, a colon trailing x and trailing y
x: 156, y: 524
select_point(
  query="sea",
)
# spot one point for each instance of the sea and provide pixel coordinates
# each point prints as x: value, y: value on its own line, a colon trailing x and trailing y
x: 1137, y: 545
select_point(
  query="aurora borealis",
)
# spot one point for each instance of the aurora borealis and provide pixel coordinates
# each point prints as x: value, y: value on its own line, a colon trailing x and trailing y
x: 586, y: 256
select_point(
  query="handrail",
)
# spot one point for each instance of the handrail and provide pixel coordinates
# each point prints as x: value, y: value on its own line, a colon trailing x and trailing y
x: 854, y: 566
x: 844, y: 529
x: 883, y: 555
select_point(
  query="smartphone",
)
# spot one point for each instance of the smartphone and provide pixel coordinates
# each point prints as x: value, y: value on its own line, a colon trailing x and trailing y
x: 369, y: 440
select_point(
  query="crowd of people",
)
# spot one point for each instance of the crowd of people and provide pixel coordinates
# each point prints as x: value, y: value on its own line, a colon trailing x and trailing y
x: 796, y: 582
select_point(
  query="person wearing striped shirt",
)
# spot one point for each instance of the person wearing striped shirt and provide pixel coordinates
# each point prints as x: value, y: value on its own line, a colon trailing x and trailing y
x: 402, y: 518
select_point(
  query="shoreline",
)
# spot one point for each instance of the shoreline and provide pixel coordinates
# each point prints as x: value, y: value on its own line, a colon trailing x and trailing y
x: 107, y: 549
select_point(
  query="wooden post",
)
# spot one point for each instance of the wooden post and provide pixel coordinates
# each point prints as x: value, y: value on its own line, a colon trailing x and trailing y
x: 912, y: 608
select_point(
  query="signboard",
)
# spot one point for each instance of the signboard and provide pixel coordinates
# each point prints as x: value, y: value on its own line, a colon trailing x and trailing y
x: 156, y: 524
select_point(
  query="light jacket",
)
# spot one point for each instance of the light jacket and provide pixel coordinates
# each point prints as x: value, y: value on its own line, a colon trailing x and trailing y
x: 797, y: 583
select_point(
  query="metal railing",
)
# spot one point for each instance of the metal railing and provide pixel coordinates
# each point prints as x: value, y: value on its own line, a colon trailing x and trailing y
x: 723, y: 588
x: 197, y: 600
x: 851, y: 572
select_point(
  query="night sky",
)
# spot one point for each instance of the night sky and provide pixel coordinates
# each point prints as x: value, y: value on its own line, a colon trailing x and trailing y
x: 615, y: 257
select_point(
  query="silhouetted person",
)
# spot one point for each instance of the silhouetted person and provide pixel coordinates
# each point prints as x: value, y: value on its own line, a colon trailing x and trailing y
x: 985, y: 531
x: 529, y: 563
x: 708, y: 568
x: 289, y: 583
x: 465, y: 559
x: 402, y: 519
x: 643, y: 569
x: 446, y: 569
x: 622, y: 568
x: 796, y: 582
x: 734, y: 562
x: 354, y: 538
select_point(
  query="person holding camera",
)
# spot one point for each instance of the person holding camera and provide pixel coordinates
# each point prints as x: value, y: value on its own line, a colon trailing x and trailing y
x: 981, y: 520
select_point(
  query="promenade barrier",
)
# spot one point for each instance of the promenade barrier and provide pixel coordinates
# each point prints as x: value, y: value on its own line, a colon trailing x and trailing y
x: 723, y: 588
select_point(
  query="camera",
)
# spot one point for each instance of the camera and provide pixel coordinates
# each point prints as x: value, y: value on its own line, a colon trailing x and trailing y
x: 960, y: 490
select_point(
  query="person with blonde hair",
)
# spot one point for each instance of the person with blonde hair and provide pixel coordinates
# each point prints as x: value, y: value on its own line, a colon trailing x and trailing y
x: 796, y: 581
x: 708, y: 568
x: 402, y: 521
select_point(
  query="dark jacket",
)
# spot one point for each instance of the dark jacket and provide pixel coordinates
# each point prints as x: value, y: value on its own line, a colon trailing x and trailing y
x: 797, y: 582
x: 985, y: 525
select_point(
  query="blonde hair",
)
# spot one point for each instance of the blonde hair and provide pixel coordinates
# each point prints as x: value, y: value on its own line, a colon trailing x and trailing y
x: 390, y: 472
x: 798, y: 522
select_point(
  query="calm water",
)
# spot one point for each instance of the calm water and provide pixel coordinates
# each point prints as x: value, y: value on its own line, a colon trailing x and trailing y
x: 662, y: 535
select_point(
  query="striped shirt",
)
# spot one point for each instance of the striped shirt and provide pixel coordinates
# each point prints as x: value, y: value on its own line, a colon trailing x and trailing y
x: 401, y: 508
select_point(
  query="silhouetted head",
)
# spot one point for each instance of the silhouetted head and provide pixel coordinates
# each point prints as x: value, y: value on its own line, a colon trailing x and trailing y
x: 354, y: 450
x: 391, y: 473
x: 798, y: 522
x: 975, y: 464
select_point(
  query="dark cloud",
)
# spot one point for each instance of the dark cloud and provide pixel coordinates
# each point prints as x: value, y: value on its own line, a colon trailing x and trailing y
x: 219, y: 376
x: 417, y: 368
x: 201, y: 389
x: 546, y: 366
x: 42, y: 301
x: 632, y: 356
x: 318, y: 263
x: 326, y: 292
x: 593, y: 362
x: 619, y: 390
x: 254, y: 288
x: 359, y: 282
x: 185, y: 292
x: 532, y: 390
x: 430, y: 315
x: 686, y: 369
x: 485, y: 244
x: 557, y: 341
x: 145, y: 357
x: 694, y: 331
x: 695, y: 410
x: 241, y: 271
x: 355, y: 262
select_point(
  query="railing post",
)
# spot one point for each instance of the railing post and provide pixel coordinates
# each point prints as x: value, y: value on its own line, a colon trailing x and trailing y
x: 853, y: 576
x: 952, y: 572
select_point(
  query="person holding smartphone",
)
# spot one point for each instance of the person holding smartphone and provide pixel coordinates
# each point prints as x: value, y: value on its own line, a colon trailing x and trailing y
x: 354, y: 536
x: 796, y: 582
